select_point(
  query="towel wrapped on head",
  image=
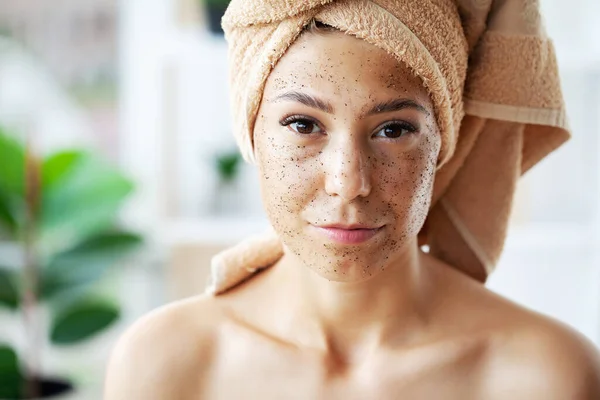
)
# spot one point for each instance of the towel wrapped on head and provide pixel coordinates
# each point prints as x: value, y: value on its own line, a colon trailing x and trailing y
x: 491, y: 73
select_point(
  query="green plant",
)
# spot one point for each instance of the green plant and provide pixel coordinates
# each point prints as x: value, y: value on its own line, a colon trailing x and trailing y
x: 61, y: 213
x: 228, y: 164
x: 214, y: 10
x: 216, y: 3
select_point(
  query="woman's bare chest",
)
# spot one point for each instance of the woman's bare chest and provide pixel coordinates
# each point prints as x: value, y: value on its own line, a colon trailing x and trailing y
x: 261, y: 370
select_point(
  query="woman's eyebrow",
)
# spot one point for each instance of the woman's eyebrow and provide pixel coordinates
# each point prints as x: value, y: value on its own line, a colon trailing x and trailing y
x: 396, y: 105
x: 383, y: 107
x: 307, y: 100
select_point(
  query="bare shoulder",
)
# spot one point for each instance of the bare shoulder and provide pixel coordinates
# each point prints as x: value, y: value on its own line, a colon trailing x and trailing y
x: 537, y: 357
x: 527, y: 355
x: 165, y: 351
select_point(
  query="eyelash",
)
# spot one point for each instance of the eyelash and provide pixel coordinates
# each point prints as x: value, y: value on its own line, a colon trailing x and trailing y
x: 401, y: 124
x: 286, y: 121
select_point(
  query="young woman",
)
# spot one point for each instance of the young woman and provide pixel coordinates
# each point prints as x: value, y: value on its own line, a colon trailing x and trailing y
x: 353, y: 112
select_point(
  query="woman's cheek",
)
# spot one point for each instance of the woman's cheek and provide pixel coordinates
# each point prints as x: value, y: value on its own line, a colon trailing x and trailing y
x: 287, y: 178
x: 404, y: 182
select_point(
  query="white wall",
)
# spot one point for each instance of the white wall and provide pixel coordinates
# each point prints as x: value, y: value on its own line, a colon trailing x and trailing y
x: 144, y: 26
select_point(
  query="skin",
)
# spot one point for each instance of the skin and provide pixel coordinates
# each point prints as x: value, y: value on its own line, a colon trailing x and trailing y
x: 380, y: 319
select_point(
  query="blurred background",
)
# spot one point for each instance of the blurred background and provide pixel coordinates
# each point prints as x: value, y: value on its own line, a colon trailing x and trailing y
x: 119, y: 109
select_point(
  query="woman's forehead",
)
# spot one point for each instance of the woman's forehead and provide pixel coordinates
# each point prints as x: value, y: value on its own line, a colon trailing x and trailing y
x: 342, y: 64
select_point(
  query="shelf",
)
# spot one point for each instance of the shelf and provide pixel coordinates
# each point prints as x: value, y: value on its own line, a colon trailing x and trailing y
x: 225, y: 230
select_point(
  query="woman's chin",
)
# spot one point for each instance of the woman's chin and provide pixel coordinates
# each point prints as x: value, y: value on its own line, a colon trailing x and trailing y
x: 342, y: 262
x: 345, y: 270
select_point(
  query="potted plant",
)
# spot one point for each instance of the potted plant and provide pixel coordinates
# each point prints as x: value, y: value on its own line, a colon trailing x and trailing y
x: 227, y: 165
x: 60, y: 213
x: 214, y: 10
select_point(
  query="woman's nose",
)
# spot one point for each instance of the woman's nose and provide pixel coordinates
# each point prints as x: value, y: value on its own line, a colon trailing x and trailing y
x: 347, y: 172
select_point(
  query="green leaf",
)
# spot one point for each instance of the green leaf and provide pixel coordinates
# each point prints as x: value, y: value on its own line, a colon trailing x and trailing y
x: 8, y: 223
x: 12, y: 185
x: 12, y: 167
x: 57, y: 166
x: 83, y: 320
x: 221, y: 4
x: 9, y: 294
x: 85, y: 263
x: 10, y: 373
x: 9, y: 362
x: 228, y: 165
x: 81, y: 196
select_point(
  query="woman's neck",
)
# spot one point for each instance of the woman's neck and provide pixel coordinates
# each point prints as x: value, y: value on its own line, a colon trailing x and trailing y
x: 354, y: 318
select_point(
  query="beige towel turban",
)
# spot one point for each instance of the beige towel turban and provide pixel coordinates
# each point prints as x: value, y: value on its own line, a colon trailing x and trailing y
x: 491, y: 72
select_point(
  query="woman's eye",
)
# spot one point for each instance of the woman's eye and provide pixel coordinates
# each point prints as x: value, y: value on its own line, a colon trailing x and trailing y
x: 302, y: 126
x: 395, y: 130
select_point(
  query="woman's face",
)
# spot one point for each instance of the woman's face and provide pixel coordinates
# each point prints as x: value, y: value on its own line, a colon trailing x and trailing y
x: 346, y: 142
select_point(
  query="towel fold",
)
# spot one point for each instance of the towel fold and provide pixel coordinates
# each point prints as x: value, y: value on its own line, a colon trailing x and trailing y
x: 492, y: 76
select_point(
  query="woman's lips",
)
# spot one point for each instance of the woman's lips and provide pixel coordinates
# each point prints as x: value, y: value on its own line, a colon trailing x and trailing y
x: 348, y: 235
